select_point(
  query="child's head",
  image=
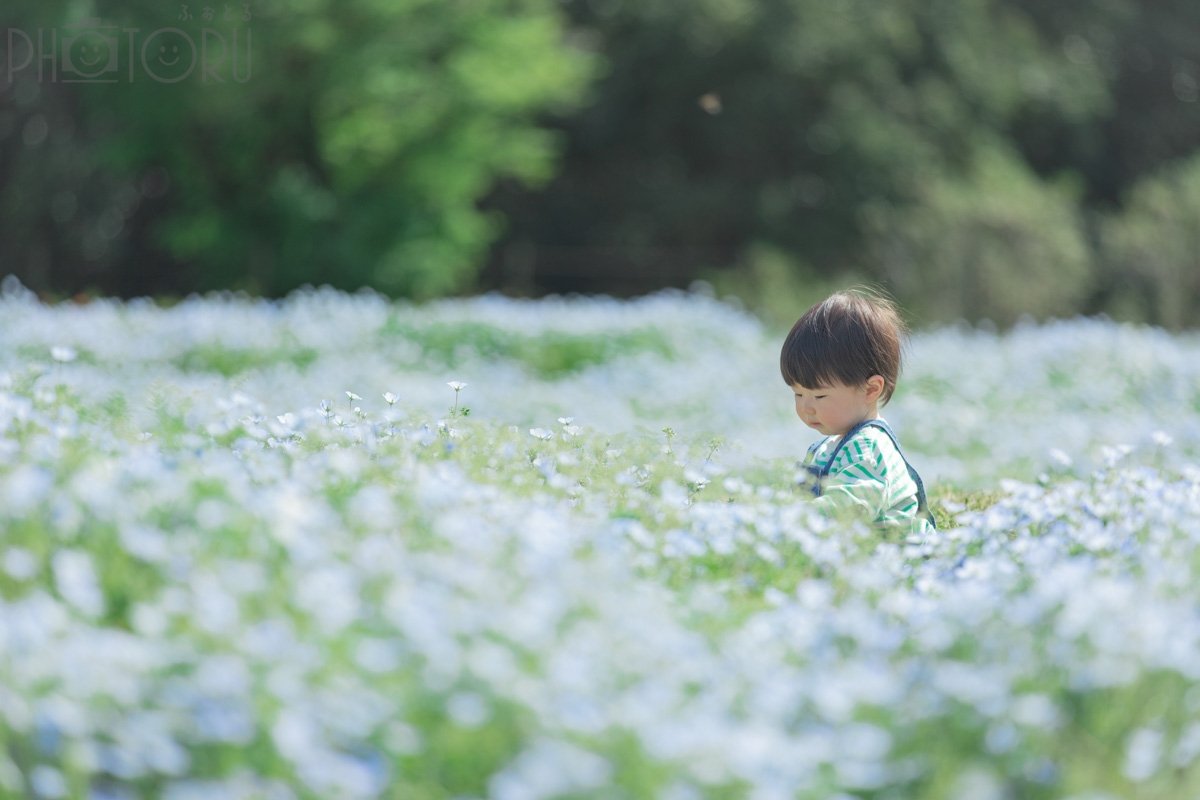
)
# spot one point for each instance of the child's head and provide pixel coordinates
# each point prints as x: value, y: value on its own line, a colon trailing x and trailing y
x: 842, y: 359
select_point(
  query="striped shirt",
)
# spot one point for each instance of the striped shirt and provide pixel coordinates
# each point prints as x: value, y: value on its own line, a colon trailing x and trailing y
x: 869, y: 475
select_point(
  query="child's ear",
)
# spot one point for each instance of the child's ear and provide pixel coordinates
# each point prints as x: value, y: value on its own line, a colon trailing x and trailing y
x: 875, y: 387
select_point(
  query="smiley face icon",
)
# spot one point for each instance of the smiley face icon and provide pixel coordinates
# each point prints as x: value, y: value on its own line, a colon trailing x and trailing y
x: 89, y: 55
x: 168, y: 55
x: 173, y: 59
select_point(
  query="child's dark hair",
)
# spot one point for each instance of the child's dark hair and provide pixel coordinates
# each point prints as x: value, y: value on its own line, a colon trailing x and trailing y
x: 846, y: 338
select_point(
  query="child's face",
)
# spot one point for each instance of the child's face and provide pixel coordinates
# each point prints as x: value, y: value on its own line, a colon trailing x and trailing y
x: 835, y: 409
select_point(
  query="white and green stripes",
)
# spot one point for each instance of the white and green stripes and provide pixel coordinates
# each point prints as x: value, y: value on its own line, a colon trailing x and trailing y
x: 870, y: 475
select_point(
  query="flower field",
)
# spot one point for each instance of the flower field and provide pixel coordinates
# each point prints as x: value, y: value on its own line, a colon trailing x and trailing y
x: 340, y: 547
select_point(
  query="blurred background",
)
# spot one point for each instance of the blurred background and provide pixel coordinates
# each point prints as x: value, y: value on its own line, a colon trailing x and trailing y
x: 981, y: 159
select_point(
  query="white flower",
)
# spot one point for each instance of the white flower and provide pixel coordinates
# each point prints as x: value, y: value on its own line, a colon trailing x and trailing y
x: 1162, y: 438
x: 353, y: 397
x: 390, y: 398
x: 63, y: 354
x: 541, y: 433
x: 457, y: 386
x: 695, y: 478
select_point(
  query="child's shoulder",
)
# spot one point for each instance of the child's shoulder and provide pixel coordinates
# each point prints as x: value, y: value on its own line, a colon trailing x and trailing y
x: 878, y: 438
x: 876, y: 435
x: 870, y: 443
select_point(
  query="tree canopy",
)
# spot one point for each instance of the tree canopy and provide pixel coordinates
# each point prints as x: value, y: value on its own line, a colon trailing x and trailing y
x: 350, y: 149
x: 980, y: 158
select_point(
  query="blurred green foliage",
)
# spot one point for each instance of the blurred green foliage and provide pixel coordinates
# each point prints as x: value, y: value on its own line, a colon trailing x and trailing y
x: 1154, y: 246
x: 549, y: 355
x: 977, y: 242
x: 342, y: 143
x: 959, y: 153
x: 980, y: 158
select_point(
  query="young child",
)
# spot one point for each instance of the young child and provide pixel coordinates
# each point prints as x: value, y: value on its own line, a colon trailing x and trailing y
x: 842, y: 359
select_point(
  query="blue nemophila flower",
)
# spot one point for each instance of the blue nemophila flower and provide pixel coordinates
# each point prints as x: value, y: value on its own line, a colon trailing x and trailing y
x: 307, y: 599
x: 1143, y: 755
x: 20, y: 564
x: 75, y: 577
x: 46, y: 781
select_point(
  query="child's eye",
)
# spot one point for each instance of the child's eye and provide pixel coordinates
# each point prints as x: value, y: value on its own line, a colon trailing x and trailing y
x: 820, y: 396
